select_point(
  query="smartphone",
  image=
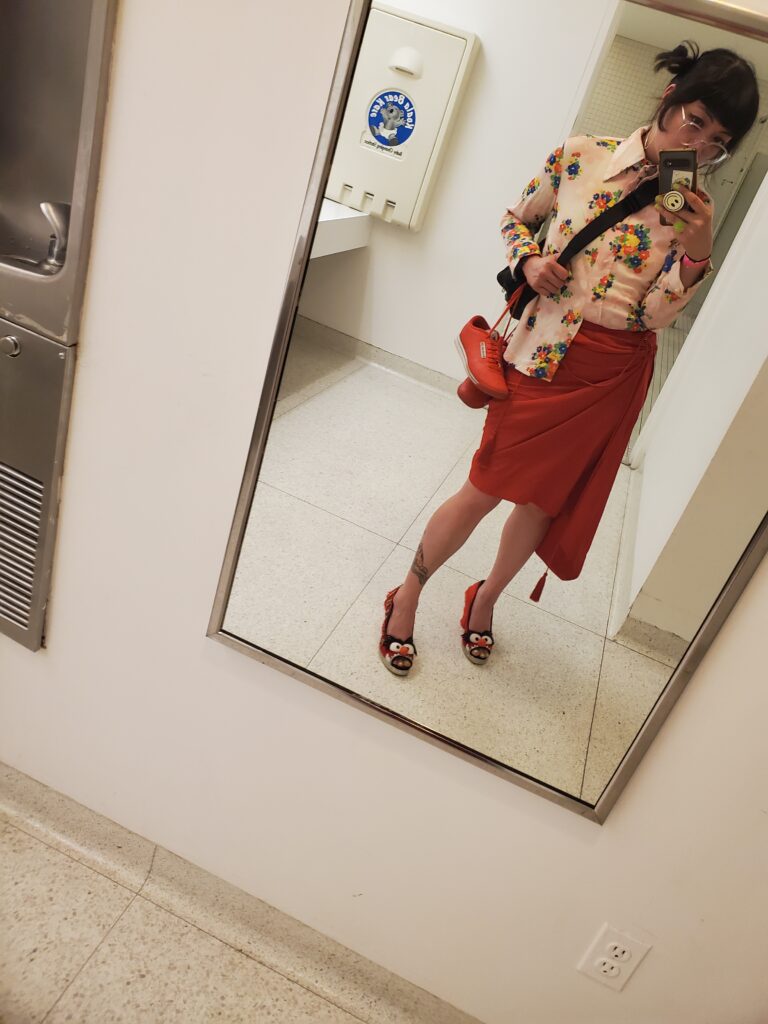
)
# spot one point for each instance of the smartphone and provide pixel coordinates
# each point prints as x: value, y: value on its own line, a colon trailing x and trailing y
x: 676, y: 167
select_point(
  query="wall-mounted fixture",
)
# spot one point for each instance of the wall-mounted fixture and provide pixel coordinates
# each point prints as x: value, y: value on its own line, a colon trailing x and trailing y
x: 55, y: 69
x: 407, y: 84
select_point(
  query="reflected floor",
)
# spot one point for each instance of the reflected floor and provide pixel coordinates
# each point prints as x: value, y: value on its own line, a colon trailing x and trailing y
x: 364, y: 446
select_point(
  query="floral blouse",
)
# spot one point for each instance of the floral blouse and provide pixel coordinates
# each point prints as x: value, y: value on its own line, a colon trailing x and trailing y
x: 627, y: 279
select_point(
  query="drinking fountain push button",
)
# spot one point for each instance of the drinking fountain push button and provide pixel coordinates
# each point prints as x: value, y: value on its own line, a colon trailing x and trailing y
x: 9, y: 345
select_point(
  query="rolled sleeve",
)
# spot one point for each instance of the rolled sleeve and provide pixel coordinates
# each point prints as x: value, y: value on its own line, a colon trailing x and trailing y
x: 519, y: 222
x: 518, y: 239
x: 668, y: 296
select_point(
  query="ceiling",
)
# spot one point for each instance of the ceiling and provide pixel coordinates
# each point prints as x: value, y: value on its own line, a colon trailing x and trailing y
x: 667, y: 30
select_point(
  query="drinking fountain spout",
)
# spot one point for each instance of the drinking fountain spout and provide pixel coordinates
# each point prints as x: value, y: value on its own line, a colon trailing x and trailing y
x: 57, y: 215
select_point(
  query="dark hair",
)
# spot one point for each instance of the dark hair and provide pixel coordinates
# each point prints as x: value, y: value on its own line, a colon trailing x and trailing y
x: 720, y: 79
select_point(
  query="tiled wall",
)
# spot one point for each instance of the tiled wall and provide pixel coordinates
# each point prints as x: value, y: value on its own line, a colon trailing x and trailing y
x: 627, y: 91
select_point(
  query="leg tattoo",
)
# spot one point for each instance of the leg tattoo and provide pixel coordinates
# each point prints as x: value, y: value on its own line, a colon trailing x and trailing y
x: 418, y: 568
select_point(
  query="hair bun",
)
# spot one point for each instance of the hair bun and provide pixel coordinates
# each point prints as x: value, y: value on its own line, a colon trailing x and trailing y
x: 678, y: 61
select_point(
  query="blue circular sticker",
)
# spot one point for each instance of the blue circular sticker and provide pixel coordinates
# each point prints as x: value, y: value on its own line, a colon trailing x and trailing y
x: 391, y: 118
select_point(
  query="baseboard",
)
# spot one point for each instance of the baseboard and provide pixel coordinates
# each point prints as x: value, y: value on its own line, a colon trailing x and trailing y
x: 247, y: 924
x: 371, y: 354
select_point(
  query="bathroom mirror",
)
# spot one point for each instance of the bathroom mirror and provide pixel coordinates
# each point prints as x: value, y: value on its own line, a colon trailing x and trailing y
x: 360, y: 436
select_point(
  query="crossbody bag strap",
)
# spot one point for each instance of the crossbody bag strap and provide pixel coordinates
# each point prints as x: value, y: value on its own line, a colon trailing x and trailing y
x: 635, y: 201
x: 630, y: 204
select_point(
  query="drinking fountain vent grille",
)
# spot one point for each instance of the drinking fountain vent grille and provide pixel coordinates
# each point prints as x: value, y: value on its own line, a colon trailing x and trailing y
x: 21, y: 505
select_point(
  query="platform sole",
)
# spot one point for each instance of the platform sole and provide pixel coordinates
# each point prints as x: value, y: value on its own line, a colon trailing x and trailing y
x: 393, y: 668
x: 475, y: 661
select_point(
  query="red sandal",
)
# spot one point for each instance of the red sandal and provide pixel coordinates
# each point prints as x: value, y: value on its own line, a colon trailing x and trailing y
x: 396, y: 655
x: 477, y: 647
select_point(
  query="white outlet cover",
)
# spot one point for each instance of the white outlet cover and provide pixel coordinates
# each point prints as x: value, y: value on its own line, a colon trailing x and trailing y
x: 617, y: 947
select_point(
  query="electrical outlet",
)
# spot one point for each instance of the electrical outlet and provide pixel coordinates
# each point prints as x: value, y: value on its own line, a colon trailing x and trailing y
x: 613, y: 957
x: 619, y: 951
x: 607, y: 968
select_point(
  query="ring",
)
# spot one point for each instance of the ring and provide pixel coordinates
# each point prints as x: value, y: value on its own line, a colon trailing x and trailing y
x: 679, y: 226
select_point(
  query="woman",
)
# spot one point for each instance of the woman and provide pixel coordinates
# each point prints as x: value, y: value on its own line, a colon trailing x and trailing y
x: 579, y: 362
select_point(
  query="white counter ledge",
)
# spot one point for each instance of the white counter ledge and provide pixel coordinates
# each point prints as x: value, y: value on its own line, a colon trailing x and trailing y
x: 339, y: 229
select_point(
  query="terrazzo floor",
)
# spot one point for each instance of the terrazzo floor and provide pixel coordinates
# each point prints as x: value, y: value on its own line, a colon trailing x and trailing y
x: 359, y: 455
x: 77, y: 946
x: 100, y: 925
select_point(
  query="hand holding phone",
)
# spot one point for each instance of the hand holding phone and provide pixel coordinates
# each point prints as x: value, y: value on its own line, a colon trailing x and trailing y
x: 677, y: 170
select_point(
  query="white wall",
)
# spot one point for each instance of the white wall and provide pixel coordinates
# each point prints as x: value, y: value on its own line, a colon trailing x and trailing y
x: 723, y: 354
x: 473, y: 888
x: 715, y: 526
x: 499, y: 139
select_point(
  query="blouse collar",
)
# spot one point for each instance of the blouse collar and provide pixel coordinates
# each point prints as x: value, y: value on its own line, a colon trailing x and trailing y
x: 630, y: 153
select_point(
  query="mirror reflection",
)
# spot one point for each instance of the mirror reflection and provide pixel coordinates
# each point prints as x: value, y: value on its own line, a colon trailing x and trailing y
x: 502, y: 537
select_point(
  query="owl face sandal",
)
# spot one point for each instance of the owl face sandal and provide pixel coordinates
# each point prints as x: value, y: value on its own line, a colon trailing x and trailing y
x: 477, y: 647
x: 396, y: 655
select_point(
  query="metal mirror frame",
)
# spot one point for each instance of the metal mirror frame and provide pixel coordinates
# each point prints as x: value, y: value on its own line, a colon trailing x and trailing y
x: 725, y: 16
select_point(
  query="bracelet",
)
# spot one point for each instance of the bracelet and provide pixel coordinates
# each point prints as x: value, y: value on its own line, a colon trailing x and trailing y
x: 694, y: 263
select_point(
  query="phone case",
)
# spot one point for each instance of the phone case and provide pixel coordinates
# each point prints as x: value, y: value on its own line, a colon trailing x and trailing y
x: 683, y: 171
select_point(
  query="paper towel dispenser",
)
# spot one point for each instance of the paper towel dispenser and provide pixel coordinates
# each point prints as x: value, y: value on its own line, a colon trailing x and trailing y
x: 405, y: 92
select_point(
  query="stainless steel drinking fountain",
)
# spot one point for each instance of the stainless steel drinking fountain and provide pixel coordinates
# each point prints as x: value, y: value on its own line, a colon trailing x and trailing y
x: 55, y: 60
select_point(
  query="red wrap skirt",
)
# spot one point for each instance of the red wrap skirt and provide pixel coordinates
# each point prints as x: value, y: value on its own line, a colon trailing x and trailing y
x: 559, y: 444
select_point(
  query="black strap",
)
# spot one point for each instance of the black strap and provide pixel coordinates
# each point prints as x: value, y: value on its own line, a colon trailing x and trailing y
x: 631, y: 203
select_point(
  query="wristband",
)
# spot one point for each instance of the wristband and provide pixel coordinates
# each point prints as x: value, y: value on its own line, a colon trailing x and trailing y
x: 687, y: 261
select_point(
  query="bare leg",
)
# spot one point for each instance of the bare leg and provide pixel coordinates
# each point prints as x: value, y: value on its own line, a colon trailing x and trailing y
x: 445, y: 533
x: 522, y: 534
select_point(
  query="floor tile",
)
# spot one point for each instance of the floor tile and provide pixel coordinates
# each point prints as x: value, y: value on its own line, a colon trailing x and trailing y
x: 629, y: 686
x: 291, y: 948
x: 299, y: 570
x: 154, y: 967
x: 530, y: 707
x: 654, y: 643
x: 309, y: 369
x: 584, y: 601
x: 53, y: 914
x: 68, y: 826
x: 477, y: 555
x: 372, y: 449
x: 384, y: 451
x: 323, y: 336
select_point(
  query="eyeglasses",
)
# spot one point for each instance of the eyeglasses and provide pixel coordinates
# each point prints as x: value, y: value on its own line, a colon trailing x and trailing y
x: 710, y: 154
